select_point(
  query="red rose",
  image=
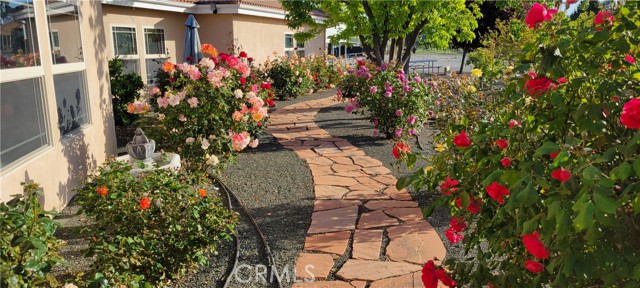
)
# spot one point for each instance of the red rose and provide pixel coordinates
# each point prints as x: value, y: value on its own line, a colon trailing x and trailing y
x: 561, y: 175
x: 554, y: 154
x: 533, y: 266
x: 539, y: 14
x: 243, y: 80
x: 232, y: 61
x: 189, y: 58
x: 538, y: 86
x: 250, y: 59
x: 145, y: 203
x: 445, y: 279
x: 474, y: 205
x: 462, y: 140
x: 400, y: 148
x: 497, y: 192
x: 453, y: 236
x: 506, y: 162
x: 571, y: 1
x: 561, y: 80
x: 429, y: 278
x: 270, y: 102
x: 534, y: 245
x: 502, y: 143
x: 630, y: 116
x: 629, y: 58
x: 603, y: 18
x: 242, y: 54
x: 447, y: 186
x: 457, y: 224
x: 514, y: 123
x: 102, y: 191
x: 266, y: 86
x: 615, y: 98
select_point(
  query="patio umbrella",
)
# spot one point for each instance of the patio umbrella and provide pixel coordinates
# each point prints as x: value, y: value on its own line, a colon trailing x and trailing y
x: 192, y: 41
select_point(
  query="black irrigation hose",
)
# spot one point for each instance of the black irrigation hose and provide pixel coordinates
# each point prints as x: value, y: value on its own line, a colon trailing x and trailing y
x: 235, y: 236
x: 244, y: 210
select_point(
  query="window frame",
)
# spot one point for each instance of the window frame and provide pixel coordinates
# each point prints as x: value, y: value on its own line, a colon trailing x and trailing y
x: 26, y: 73
x: 164, y: 56
x: 296, y: 48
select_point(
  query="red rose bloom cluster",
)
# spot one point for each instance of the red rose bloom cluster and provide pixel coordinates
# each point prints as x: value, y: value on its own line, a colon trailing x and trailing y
x: 630, y: 116
x: 462, y: 140
x: 145, y: 203
x: 538, y: 14
x: 561, y: 175
x: 534, y: 246
x: 502, y: 143
x: 431, y: 276
x: 474, y: 204
x: 454, y: 232
x: 447, y: 186
x: 399, y: 149
x: 603, y: 18
x: 537, y: 86
x: 497, y: 192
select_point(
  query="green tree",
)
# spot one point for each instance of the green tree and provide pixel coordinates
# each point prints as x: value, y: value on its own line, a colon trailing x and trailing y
x: 388, y: 30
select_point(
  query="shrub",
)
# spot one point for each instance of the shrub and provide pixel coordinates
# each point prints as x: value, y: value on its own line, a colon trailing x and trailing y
x: 209, y: 111
x: 395, y: 102
x: 29, y: 249
x: 325, y: 70
x: 151, y: 227
x: 125, y: 89
x: 290, y: 78
x: 551, y: 182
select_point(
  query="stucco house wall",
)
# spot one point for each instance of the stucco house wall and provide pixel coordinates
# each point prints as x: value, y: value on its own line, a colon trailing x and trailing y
x: 65, y: 161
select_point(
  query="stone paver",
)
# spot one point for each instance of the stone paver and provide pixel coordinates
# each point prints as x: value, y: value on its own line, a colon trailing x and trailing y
x: 333, y: 220
x: 368, y: 270
x: 310, y: 266
x: 335, y: 243
x: 367, y: 244
x: 351, y: 186
x: 375, y: 219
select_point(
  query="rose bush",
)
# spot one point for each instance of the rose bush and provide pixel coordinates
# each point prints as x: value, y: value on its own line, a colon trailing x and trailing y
x: 150, y: 228
x: 558, y: 202
x: 395, y: 103
x: 209, y: 111
x: 28, y: 247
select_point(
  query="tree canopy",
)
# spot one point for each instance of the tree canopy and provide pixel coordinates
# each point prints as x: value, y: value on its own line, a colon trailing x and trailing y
x: 388, y: 30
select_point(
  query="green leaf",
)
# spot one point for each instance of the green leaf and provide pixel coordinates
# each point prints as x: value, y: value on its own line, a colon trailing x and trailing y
x: 530, y: 226
x: 584, y: 219
x: 636, y: 272
x: 624, y: 171
x: 527, y: 196
x: 604, y: 203
x: 636, y: 166
x: 546, y: 148
x: 591, y: 173
x: 492, y: 177
x: 563, y: 223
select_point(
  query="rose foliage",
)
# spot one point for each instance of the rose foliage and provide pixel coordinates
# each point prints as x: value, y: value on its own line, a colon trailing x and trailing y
x: 209, y: 111
x: 150, y: 228
x: 564, y: 210
x: 394, y: 102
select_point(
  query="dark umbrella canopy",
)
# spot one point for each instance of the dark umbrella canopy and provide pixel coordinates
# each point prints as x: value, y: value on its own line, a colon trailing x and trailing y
x: 192, y: 41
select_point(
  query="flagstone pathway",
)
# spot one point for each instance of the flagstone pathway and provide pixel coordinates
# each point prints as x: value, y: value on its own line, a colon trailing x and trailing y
x: 358, y: 213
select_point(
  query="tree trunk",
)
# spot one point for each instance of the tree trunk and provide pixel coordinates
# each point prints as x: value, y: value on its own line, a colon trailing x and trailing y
x: 464, y: 55
x: 392, y: 50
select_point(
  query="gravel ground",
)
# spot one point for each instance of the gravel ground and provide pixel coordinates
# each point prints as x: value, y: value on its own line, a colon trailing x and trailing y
x: 277, y: 188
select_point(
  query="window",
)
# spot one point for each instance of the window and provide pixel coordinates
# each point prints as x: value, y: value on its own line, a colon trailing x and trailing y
x: 154, y: 41
x: 155, y: 52
x: 69, y: 80
x: 64, y: 24
x: 19, y: 36
x: 71, y: 99
x: 288, y: 41
x: 124, y: 41
x: 291, y: 46
x: 22, y: 119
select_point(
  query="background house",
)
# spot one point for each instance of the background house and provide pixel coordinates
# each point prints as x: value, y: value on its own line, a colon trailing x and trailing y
x: 56, y: 119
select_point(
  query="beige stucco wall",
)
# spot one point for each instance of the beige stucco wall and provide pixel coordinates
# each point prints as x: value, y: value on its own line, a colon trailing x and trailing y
x: 66, y: 162
x: 171, y: 22
x: 68, y: 37
x: 260, y: 37
x: 217, y: 30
